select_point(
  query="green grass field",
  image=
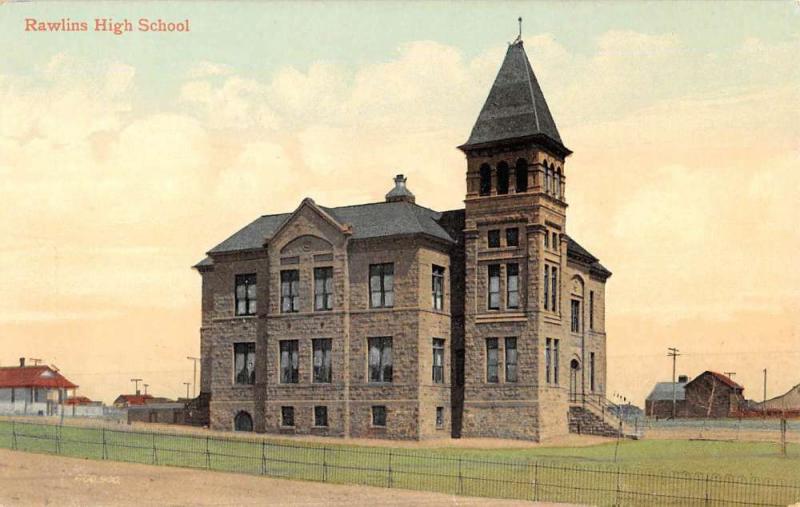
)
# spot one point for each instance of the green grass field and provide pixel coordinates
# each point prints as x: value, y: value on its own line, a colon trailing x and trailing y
x: 645, y: 472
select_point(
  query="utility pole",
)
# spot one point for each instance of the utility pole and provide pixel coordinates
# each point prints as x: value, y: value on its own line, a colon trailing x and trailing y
x: 145, y: 387
x: 194, y: 374
x: 187, y: 384
x: 764, y: 405
x: 136, y: 382
x: 35, y: 361
x: 673, y: 353
x: 729, y: 374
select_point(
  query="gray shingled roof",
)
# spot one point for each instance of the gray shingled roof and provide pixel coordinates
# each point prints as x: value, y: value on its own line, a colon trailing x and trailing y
x: 375, y: 220
x: 662, y: 391
x: 515, y: 106
x: 368, y: 221
x: 577, y: 252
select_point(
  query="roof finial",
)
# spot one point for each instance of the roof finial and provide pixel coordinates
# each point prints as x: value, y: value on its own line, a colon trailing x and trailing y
x: 519, y: 37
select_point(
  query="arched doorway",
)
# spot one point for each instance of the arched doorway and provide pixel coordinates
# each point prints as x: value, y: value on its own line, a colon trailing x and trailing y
x: 243, y: 422
x: 574, y: 368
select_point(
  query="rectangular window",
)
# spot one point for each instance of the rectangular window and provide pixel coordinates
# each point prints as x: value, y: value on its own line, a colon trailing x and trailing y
x: 290, y: 288
x: 546, y: 286
x: 555, y: 241
x: 575, y: 323
x: 494, y: 286
x: 591, y: 310
x: 244, y: 363
x: 321, y: 416
x: 290, y: 361
x: 381, y: 285
x: 493, y: 238
x: 322, y: 360
x: 546, y: 239
x: 548, y: 360
x: 438, y: 361
x: 511, y: 359
x: 379, y: 416
x: 555, y: 361
x: 554, y: 289
x: 287, y: 416
x: 439, y: 417
x: 591, y: 371
x: 512, y: 236
x: 380, y: 359
x: 491, y: 360
x: 512, y: 285
x: 437, y: 287
x: 323, y: 288
x: 246, y: 294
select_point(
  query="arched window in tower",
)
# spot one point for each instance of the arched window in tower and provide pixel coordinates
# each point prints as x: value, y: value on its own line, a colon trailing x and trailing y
x: 502, y: 178
x: 521, y: 174
x: 557, y: 181
x: 486, y: 180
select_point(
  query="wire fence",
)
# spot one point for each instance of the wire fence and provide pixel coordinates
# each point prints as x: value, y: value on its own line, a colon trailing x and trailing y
x: 393, y: 468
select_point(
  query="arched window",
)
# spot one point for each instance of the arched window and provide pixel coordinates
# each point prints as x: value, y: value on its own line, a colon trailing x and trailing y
x: 486, y: 180
x: 557, y: 180
x: 243, y: 422
x: 521, y: 173
x: 502, y: 178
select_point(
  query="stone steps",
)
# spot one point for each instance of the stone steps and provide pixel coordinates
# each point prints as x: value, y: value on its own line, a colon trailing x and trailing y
x: 585, y: 422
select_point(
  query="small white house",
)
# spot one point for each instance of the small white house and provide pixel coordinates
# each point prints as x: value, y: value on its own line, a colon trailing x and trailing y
x: 32, y: 390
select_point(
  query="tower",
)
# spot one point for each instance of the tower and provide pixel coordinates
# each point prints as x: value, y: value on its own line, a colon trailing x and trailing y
x: 516, y: 251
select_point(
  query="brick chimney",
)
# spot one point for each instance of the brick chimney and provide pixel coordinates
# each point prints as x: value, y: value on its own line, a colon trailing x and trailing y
x: 21, y: 362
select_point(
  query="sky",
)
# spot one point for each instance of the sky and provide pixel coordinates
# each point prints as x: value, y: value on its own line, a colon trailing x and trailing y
x: 123, y: 158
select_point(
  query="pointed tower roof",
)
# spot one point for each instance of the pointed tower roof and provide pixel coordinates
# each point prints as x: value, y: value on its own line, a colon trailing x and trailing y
x: 515, y: 108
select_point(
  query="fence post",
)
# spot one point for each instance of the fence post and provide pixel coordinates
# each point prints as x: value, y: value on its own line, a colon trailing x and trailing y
x: 263, y: 457
x: 14, y: 435
x: 706, y: 489
x: 208, y: 455
x: 324, y: 464
x: 536, y: 481
x: 460, y: 479
x: 104, y: 444
x: 783, y: 437
x: 155, y: 456
x: 618, y: 489
x: 389, y: 479
x: 58, y: 439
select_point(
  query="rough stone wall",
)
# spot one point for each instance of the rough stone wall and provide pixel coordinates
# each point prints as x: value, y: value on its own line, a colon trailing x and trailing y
x: 221, y: 329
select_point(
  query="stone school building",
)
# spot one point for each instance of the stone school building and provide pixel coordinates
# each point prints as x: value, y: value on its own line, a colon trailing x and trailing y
x: 392, y: 320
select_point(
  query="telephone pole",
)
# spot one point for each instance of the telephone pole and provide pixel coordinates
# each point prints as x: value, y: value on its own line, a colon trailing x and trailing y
x: 187, y: 384
x: 673, y: 353
x: 194, y: 375
x: 136, y: 383
x: 145, y: 387
x: 764, y: 405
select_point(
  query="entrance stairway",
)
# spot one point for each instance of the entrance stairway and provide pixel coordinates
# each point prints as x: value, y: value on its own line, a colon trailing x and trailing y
x: 594, y: 415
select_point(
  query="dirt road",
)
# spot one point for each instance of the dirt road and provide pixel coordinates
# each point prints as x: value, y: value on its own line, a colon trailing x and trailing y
x: 38, y: 479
